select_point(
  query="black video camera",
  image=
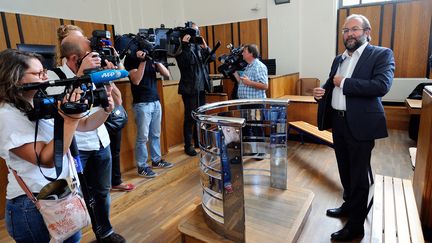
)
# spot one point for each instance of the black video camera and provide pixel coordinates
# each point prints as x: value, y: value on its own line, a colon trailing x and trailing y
x: 176, y: 35
x: 232, y: 62
x: 100, y: 43
x: 151, y: 41
x: 45, y: 101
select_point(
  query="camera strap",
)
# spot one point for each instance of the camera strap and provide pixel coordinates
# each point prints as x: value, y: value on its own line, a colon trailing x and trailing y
x: 59, y: 73
x: 58, y: 147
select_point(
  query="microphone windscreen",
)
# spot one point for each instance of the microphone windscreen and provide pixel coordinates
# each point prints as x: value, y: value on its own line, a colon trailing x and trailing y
x: 106, y: 76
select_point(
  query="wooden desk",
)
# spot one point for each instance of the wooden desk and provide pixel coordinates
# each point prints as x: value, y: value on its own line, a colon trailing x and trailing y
x: 299, y: 98
x: 414, y: 106
x: 278, y: 85
x: 301, y: 108
x: 422, y: 181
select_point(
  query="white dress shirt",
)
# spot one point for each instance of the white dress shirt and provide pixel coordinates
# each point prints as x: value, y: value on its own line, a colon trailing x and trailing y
x: 345, y: 69
x: 91, y: 140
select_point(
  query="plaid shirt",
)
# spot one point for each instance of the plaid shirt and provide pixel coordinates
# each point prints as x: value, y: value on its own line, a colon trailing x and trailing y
x: 256, y: 72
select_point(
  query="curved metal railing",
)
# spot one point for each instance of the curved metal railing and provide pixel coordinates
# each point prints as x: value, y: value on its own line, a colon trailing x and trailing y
x: 229, y: 132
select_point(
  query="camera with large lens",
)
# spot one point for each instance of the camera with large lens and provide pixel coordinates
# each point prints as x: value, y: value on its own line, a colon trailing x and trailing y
x: 232, y: 62
x: 151, y: 41
x: 157, y: 43
x: 45, y: 101
x: 176, y: 35
x: 100, y: 43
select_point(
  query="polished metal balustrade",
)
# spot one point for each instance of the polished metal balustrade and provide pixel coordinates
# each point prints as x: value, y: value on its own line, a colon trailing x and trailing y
x: 229, y: 133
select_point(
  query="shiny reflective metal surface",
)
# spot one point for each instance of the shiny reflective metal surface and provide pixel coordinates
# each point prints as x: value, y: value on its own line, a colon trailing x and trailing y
x: 248, y: 129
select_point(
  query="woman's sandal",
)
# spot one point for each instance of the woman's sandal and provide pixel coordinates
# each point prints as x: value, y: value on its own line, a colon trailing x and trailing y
x: 127, y: 187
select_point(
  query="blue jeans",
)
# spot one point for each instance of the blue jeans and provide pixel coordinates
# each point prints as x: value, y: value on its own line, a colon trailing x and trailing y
x: 148, y: 117
x: 97, y: 173
x: 25, y: 224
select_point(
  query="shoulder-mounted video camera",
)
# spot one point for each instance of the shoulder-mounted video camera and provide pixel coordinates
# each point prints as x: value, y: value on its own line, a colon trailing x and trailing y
x: 157, y: 43
x: 232, y: 62
x: 151, y: 41
x: 177, y: 34
x: 100, y: 43
x: 45, y: 105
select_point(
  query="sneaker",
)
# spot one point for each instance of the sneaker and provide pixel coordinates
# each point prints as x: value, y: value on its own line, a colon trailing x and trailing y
x: 113, y: 238
x: 190, y: 151
x: 146, y: 172
x: 162, y: 164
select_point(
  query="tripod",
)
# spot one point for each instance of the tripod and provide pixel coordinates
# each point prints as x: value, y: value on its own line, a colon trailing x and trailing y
x: 88, y: 198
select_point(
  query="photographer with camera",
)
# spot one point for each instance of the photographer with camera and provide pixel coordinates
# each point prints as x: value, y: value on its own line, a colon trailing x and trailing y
x: 115, y: 134
x: 147, y: 109
x: 94, y: 149
x: 252, y: 83
x: 23, y: 151
x: 194, y: 82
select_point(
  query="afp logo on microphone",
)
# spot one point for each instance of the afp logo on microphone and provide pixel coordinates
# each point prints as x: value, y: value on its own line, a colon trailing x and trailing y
x: 111, y: 74
x: 108, y: 75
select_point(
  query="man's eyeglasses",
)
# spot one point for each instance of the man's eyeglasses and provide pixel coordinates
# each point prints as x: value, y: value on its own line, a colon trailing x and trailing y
x: 40, y: 74
x: 354, y: 30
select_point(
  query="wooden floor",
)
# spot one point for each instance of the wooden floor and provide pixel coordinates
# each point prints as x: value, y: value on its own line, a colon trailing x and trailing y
x: 155, y: 213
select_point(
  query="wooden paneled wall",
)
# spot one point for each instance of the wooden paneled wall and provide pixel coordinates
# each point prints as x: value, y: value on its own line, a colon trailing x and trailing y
x: 246, y: 32
x: 29, y: 29
x: 405, y: 27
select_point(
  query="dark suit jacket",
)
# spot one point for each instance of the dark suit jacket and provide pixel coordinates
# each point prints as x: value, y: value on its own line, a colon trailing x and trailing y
x: 371, y: 79
x: 194, y: 76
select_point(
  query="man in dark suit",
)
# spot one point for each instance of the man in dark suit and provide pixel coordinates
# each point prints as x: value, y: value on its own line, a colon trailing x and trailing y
x: 350, y: 104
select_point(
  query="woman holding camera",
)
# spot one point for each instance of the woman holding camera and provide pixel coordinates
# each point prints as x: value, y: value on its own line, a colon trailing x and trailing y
x: 22, y: 151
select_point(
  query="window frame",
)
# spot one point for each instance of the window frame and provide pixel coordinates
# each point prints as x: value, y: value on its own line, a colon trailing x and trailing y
x: 360, y: 3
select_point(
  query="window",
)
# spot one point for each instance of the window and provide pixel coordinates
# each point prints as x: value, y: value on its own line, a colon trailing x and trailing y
x: 344, y: 3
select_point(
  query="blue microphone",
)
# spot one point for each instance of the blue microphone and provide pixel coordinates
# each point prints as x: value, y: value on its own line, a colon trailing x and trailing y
x: 99, y: 77
x: 106, y: 76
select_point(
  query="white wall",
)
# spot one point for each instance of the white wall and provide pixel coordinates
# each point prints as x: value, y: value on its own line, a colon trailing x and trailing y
x: 210, y: 12
x: 301, y: 33
x: 283, y: 37
x: 86, y: 10
x: 126, y: 15
x: 317, y: 38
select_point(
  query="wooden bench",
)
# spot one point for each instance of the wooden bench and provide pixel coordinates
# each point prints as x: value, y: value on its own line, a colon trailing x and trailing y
x: 395, y: 217
x: 312, y: 131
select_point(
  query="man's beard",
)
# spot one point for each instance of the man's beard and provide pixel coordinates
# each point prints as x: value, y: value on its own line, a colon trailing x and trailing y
x: 354, y: 45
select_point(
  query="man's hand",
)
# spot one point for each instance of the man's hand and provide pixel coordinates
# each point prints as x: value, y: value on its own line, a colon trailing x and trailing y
x: 318, y: 93
x: 337, y: 80
x: 141, y: 55
x: 186, y: 38
x: 245, y: 80
x: 109, y: 65
x: 91, y: 60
